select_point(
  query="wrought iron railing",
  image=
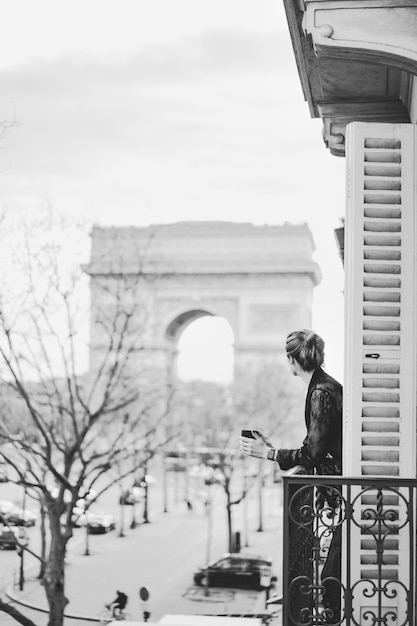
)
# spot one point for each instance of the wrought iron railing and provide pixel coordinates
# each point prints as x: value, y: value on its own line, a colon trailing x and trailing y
x: 349, y: 551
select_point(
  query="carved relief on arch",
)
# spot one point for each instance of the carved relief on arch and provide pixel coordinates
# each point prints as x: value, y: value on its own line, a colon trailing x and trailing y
x: 272, y: 318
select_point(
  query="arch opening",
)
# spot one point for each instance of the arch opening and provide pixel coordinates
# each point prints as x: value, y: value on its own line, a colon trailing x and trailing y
x: 205, y: 348
x: 180, y: 323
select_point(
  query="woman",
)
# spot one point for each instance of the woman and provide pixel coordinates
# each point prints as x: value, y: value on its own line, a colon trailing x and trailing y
x: 321, y: 450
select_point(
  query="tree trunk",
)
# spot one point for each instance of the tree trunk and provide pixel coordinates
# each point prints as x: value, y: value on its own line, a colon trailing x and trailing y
x: 87, y: 540
x: 43, y: 538
x: 122, y: 518
x: 260, y: 498
x: 54, y: 576
x: 133, y: 522
x: 164, y: 483
x: 245, y: 510
x: 145, y: 506
x: 229, y: 522
x: 146, y: 498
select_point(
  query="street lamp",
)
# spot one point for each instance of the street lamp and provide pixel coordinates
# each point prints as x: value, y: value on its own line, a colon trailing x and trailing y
x: 22, y: 535
x: 245, y: 504
x: 260, y: 495
x: 133, y: 523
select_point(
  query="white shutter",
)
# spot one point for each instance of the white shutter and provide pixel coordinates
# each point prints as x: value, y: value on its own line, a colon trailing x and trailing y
x: 380, y: 301
x: 380, y: 326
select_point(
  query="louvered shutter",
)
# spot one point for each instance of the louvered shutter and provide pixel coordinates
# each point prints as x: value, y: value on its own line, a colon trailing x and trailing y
x: 380, y: 301
x: 380, y: 325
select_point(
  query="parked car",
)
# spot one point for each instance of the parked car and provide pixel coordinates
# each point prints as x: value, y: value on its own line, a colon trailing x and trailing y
x: 79, y: 517
x: 16, y: 516
x: 175, y: 464
x: 236, y: 570
x: 100, y: 523
x: 78, y: 514
x: 8, y: 538
x: 5, y: 506
x: 131, y: 496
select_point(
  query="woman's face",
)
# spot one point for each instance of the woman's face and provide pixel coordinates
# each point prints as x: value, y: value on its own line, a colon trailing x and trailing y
x: 292, y: 364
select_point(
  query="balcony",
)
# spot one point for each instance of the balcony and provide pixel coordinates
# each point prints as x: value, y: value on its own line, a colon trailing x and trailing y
x: 365, y: 528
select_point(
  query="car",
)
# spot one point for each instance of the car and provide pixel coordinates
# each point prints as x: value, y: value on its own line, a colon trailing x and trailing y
x: 5, y: 506
x: 9, y: 538
x: 216, y: 477
x: 236, y: 570
x: 78, y: 517
x: 175, y: 464
x: 132, y: 496
x: 16, y: 516
x: 78, y: 513
x: 99, y: 523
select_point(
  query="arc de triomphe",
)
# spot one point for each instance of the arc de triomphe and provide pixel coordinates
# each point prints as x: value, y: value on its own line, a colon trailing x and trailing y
x: 258, y: 278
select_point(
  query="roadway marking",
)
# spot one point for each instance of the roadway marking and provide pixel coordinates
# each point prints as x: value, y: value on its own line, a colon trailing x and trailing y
x: 197, y: 594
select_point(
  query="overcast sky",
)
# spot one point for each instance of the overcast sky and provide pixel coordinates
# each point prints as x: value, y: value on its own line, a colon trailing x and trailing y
x: 134, y: 112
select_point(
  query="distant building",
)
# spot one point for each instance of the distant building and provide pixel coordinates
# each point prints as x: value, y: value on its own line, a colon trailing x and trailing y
x: 357, y: 63
x: 259, y: 278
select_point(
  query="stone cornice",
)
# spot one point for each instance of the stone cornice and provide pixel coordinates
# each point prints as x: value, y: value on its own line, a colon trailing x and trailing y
x: 337, y: 115
x: 356, y: 60
x: 203, y: 248
x: 378, y: 31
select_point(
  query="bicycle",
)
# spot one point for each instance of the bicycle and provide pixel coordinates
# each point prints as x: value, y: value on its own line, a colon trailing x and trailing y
x: 108, y: 615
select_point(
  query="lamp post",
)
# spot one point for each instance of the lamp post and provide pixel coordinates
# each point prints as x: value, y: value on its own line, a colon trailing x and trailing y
x: 133, y: 523
x: 260, y: 496
x: 209, y: 510
x: 121, y: 503
x: 22, y: 535
x: 164, y: 482
x: 145, y: 486
x: 245, y: 504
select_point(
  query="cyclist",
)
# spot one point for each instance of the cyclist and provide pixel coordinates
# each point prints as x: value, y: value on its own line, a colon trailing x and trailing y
x: 118, y: 605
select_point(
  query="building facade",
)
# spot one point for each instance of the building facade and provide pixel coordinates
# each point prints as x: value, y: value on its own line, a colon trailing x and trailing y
x: 357, y: 61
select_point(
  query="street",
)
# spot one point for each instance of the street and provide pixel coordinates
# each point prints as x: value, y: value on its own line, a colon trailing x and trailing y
x: 162, y: 556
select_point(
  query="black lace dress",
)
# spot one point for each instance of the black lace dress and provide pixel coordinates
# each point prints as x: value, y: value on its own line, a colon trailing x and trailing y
x: 321, y: 453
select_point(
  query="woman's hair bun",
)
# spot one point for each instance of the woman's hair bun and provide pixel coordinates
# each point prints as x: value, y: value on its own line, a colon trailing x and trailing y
x: 306, y: 347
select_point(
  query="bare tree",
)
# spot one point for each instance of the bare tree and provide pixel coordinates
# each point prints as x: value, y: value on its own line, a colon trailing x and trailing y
x: 208, y: 418
x: 204, y: 419
x: 75, y: 422
x: 266, y: 398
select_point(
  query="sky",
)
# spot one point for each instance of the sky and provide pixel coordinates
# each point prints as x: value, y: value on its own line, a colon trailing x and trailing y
x: 137, y: 112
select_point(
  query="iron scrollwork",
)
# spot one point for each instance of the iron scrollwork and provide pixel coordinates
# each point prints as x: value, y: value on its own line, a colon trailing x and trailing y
x: 381, y: 522
x: 317, y: 513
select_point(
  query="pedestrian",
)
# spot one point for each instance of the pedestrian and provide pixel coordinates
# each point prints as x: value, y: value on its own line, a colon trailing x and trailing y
x: 321, y: 450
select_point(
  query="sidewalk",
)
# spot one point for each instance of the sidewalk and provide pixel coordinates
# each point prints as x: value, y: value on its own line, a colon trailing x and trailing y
x: 92, y: 580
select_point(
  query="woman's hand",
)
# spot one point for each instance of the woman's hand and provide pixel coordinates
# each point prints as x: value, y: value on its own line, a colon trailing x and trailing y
x: 257, y: 447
